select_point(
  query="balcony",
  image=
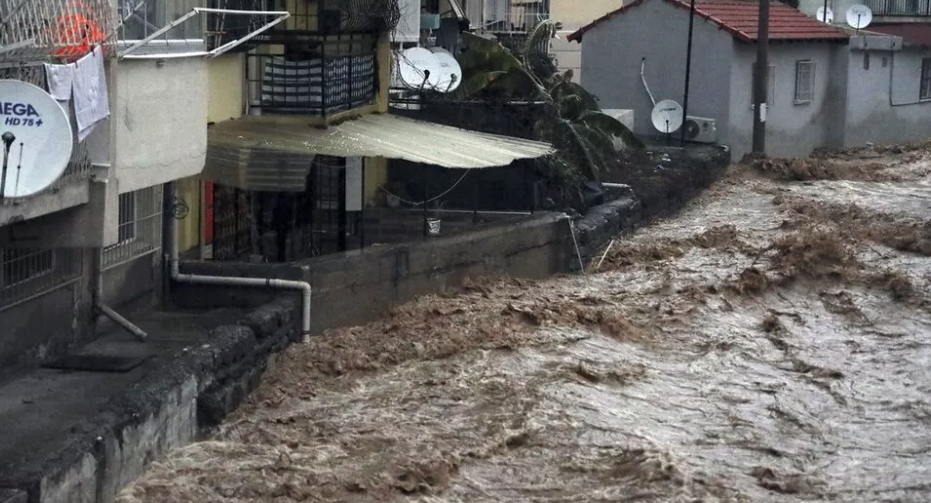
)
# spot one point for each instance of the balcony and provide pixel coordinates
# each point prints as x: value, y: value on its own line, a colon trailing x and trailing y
x: 896, y: 10
x: 341, y: 74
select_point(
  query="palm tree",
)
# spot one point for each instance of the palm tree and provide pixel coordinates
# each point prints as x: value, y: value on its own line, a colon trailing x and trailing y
x: 571, y: 119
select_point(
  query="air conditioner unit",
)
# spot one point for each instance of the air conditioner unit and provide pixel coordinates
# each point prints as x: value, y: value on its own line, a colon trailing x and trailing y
x: 700, y: 129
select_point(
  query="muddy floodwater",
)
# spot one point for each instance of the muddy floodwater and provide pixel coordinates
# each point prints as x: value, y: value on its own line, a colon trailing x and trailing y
x: 770, y: 343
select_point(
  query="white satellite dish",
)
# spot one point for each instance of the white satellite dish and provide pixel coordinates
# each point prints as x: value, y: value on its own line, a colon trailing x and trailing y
x: 667, y: 116
x: 820, y: 15
x: 36, y: 139
x: 418, y: 68
x: 859, y: 16
x: 450, y: 71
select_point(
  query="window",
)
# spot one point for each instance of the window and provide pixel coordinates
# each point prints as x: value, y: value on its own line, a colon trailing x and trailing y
x: 804, y: 81
x: 144, y: 17
x: 127, y: 226
x: 925, y: 93
x: 22, y: 265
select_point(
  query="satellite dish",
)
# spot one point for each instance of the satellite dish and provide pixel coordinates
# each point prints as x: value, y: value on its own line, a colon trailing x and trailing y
x: 667, y: 116
x: 820, y: 15
x: 36, y: 139
x: 859, y: 16
x: 418, y: 68
x: 450, y: 71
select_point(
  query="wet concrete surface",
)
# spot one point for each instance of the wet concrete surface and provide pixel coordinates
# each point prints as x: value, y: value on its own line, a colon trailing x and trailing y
x: 41, y: 410
x: 771, y: 343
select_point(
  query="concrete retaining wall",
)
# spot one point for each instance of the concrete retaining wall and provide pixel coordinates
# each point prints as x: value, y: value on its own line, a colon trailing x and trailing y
x: 170, y: 408
x: 358, y: 286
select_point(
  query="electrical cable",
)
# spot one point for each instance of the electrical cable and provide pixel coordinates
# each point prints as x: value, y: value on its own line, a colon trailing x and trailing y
x: 414, y: 203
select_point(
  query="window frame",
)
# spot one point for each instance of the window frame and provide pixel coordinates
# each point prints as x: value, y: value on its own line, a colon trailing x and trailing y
x: 924, y: 81
x: 800, y: 97
x: 128, y: 211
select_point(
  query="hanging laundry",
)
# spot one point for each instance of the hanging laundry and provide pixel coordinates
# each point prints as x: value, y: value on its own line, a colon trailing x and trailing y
x: 91, y: 102
x: 60, y: 79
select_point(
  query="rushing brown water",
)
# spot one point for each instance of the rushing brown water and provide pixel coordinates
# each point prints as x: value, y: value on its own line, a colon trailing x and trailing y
x: 770, y: 343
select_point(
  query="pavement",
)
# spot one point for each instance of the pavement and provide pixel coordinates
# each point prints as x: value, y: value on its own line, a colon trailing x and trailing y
x: 43, y: 411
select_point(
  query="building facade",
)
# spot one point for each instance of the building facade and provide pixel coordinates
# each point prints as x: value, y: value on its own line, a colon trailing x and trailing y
x: 828, y: 86
x: 92, y: 240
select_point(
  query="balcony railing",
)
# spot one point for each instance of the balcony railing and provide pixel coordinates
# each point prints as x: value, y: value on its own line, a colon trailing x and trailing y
x: 319, y: 84
x: 900, y: 8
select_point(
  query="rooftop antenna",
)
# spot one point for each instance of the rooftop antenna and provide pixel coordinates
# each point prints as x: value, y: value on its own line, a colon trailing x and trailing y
x: 39, y: 124
x: 859, y: 16
x: 450, y: 73
x: 418, y: 68
x: 825, y: 14
x: 667, y: 117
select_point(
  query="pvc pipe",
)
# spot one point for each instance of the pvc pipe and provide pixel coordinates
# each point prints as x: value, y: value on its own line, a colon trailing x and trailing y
x: 105, y: 310
x: 176, y: 275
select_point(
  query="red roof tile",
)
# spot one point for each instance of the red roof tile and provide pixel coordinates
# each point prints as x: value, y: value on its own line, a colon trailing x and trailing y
x: 912, y: 33
x: 739, y: 18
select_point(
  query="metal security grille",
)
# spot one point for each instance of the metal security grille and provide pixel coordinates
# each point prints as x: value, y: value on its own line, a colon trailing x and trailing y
x: 140, y: 227
x: 27, y: 273
x: 326, y: 226
x: 232, y: 222
x: 35, y: 30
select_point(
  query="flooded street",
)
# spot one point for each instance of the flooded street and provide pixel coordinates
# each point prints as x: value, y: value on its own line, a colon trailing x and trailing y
x: 770, y: 343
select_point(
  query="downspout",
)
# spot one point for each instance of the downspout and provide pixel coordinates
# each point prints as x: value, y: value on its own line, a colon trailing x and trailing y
x: 282, y: 284
x: 643, y: 78
x: 105, y: 310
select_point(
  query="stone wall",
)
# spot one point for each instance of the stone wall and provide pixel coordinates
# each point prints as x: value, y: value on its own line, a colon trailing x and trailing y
x: 177, y: 402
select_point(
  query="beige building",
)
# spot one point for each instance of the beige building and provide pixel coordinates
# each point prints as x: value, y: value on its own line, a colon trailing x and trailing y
x: 574, y: 14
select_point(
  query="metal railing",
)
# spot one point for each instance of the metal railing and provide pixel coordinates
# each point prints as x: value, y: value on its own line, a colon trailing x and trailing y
x: 28, y: 273
x: 900, y: 8
x: 140, y: 227
x: 514, y: 16
x: 34, y: 30
x: 314, y: 84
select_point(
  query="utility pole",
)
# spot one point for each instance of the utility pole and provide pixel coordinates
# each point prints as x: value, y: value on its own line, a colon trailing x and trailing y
x: 760, y: 80
x: 688, y: 72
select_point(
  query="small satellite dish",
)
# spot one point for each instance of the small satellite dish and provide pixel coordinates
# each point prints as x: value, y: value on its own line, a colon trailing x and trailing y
x: 859, y: 16
x: 450, y: 71
x: 667, y: 116
x: 36, y: 139
x: 418, y: 68
x: 820, y: 15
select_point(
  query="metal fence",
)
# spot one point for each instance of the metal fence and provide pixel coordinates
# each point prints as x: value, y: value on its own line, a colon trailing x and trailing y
x: 28, y: 273
x: 35, y: 30
x: 900, y: 8
x: 140, y: 227
x: 340, y: 75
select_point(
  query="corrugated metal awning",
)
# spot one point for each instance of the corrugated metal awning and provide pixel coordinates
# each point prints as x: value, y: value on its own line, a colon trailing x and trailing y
x: 272, y: 148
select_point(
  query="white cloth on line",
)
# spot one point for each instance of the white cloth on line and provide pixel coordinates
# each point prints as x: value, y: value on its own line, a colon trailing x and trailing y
x: 60, y: 79
x: 91, y: 101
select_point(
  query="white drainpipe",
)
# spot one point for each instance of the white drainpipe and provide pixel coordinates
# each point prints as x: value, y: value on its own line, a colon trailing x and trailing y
x: 174, y: 263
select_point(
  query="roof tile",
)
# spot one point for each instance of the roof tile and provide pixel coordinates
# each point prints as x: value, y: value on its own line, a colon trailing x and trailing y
x: 740, y: 19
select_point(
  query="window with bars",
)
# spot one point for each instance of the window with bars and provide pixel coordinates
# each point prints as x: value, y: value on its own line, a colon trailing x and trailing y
x: 804, y: 81
x: 925, y: 92
x: 25, y: 273
x: 140, y: 226
x: 22, y: 265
